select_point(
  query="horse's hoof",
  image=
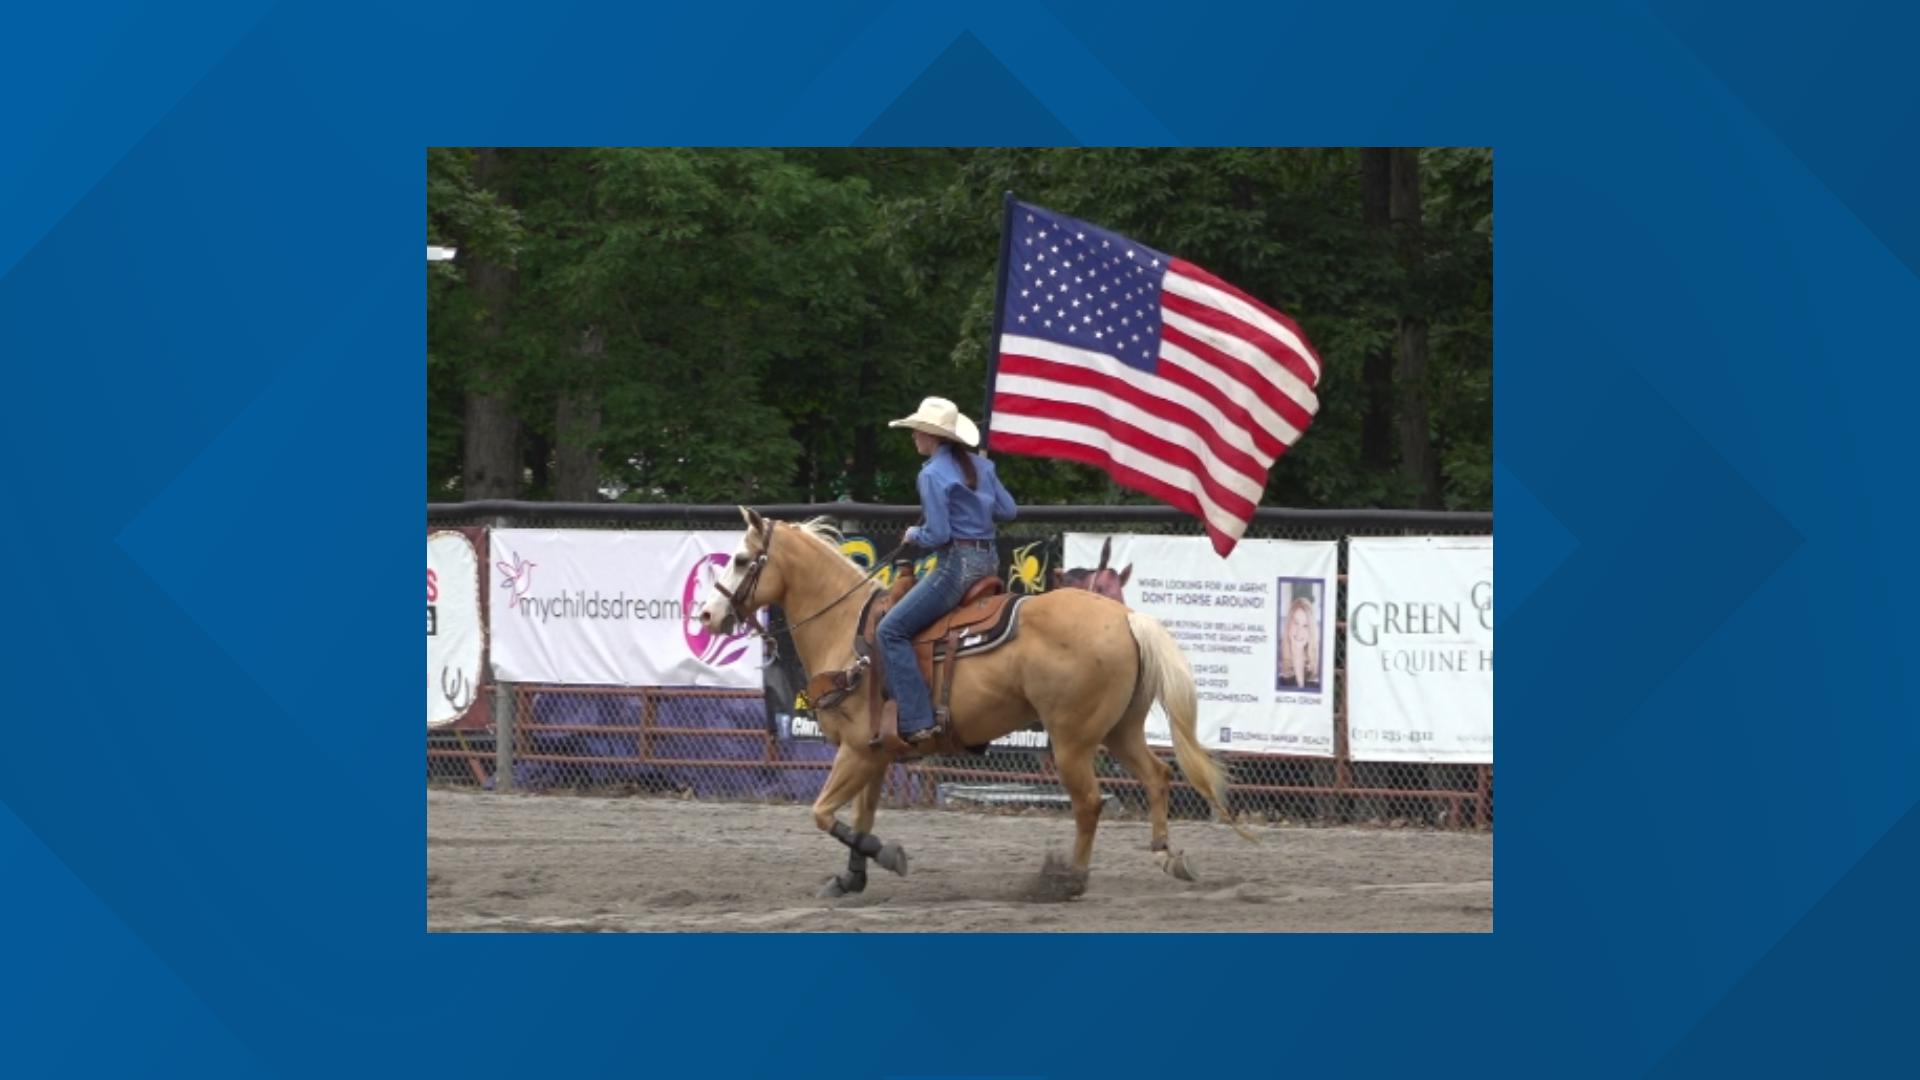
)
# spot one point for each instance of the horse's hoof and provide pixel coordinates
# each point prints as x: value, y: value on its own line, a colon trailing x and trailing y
x: 841, y: 885
x: 1077, y: 885
x: 1179, y: 868
x: 1058, y: 880
x: 1175, y: 864
x: 893, y: 857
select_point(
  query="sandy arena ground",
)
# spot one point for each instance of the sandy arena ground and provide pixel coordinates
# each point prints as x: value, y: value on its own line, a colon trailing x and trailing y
x: 576, y: 863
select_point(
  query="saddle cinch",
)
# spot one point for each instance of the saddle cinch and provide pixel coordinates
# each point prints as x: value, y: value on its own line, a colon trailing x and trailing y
x: 987, y: 618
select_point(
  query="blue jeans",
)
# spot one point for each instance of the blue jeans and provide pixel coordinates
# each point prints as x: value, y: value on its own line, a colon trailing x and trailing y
x: 932, y: 596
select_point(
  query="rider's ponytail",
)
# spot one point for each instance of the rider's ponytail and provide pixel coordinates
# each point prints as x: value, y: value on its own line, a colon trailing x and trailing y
x: 965, y: 460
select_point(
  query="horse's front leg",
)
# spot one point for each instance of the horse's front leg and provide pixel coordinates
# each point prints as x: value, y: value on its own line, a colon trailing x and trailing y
x: 855, y: 773
x: 868, y: 804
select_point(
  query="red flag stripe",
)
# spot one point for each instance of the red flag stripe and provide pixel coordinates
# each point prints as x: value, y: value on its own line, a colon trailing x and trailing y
x: 1175, y: 455
x: 1207, y: 406
x: 1286, y: 409
x: 1195, y: 273
x: 1207, y: 430
x: 1221, y: 322
x: 1039, y: 446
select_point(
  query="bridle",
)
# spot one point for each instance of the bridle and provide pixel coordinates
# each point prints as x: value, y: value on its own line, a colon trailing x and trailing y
x: 740, y: 600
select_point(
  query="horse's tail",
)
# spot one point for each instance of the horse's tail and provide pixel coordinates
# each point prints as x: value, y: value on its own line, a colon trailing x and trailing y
x: 1165, y: 676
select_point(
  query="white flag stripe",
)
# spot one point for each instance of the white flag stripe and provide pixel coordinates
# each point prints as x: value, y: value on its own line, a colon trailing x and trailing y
x: 1166, y: 472
x: 1223, y: 474
x: 1202, y: 293
x: 1235, y: 391
x: 1153, y: 385
x: 1266, y: 367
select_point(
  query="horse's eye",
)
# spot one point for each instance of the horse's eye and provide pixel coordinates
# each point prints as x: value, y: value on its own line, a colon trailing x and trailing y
x: 739, y: 560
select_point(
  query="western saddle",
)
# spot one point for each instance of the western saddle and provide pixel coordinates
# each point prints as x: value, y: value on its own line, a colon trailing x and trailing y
x: 987, y: 617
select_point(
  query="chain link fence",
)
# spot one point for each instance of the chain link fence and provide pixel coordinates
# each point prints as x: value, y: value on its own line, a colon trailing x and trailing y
x: 719, y: 744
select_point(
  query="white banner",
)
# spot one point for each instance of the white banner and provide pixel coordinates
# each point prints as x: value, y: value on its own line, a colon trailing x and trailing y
x: 456, y: 638
x: 1257, y: 628
x: 612, y: 609
x: 1420, y: 649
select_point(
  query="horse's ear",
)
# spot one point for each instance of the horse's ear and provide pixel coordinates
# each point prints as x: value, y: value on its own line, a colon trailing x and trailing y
x: 1106, y: 552
x: 1125, y: 574
x: 752, y: 519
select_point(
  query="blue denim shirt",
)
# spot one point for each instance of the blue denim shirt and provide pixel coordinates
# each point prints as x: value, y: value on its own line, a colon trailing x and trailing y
x: 952, y: 511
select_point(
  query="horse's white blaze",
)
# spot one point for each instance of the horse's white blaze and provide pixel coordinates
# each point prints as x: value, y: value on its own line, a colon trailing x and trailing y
x: 714, y: 611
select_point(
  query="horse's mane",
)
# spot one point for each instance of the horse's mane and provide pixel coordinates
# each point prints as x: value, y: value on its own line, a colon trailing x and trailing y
x: 823, y: 532
x: 820, y: 529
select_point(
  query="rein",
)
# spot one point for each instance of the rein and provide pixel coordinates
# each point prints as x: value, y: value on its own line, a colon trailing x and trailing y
x: 741, y: 600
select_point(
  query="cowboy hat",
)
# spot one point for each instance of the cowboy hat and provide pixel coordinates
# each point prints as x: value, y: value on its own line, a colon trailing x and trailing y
x: 938, y: 416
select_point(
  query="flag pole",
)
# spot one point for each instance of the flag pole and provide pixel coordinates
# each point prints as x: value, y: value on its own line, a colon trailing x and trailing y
x: 999, y: 307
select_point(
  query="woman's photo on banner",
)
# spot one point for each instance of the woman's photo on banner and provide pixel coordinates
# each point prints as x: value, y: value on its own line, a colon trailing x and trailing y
x: 1297, y: 645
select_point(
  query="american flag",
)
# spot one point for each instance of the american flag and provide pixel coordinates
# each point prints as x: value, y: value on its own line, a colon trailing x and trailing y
x: 1174, y: 382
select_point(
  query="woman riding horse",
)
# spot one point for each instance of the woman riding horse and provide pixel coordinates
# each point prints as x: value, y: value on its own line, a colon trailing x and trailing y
x: 1084, y: 666
x: 961, y: 498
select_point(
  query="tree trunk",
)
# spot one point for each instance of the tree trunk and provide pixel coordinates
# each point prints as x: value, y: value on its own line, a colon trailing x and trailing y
x: 866, y: 443
x: 576, y: 431
x: 1418, y: 462
x: 1376, y: 426
x: 491, y: 465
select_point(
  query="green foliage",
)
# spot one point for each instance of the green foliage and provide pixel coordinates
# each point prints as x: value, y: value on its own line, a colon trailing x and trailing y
x: 757, y: 315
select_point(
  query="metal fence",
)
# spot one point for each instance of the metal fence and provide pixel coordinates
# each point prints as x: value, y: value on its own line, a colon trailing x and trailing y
x: 717, y: 744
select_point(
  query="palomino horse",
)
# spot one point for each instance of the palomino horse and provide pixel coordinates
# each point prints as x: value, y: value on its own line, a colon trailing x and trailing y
x: 1086, y: 667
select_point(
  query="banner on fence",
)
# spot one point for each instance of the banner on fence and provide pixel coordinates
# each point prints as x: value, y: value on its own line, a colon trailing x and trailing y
x: 1420, y: 649
x: 1257, y: 628
x: 456, y: 632
x: 596, y: 607
x: 1025, y: 565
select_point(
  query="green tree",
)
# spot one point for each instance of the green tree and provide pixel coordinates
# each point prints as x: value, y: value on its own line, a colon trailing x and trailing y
x: 739, y: 325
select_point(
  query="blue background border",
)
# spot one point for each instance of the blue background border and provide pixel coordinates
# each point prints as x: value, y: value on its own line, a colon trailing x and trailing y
x: 210, y: 810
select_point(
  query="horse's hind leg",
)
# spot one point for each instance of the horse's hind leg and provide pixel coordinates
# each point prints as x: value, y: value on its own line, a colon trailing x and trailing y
x: 1075, y: 765
x: 855, y: 878
x: 1128, y: 745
